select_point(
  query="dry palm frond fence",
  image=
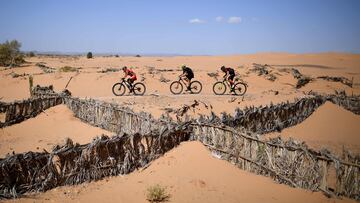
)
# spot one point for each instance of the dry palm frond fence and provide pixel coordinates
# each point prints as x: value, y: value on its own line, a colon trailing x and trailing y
x: 74, y: 164
x: 112, y: 117
x: 147, y: 138
x: 288, y: 162
x: 350, y: 103
x: 277, y: 117
x: 18, y: 111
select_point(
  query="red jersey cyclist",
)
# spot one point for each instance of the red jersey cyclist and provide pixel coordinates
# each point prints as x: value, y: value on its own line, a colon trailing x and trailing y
x: 131, y: 74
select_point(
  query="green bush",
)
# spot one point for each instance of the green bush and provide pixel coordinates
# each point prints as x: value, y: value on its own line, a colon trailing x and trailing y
x: 157, y: 193
x: 89, y: 55
x: 10, y: 54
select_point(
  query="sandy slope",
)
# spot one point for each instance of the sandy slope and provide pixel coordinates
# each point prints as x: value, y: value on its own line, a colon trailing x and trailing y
x: 329, y: 126
x: 190, y: 174
x: 46, y: 130
x: 90, y: 83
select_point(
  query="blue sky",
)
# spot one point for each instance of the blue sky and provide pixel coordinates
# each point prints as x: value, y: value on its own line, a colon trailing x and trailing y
x: 213, y: 27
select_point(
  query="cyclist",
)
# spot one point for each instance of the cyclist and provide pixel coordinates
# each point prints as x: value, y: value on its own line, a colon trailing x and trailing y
x: 187, y: 75
x: 229, y: 75
x: 131, y: 74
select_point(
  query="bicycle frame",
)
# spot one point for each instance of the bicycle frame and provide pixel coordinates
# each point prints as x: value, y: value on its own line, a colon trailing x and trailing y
x: 129, y: 86
x: 226, y: 82
x: 181, y: 80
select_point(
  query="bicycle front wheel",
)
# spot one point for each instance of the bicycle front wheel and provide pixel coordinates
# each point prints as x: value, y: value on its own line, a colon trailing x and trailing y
x: 176, y: 87
x: 118, y: 89
x: 219, y: 88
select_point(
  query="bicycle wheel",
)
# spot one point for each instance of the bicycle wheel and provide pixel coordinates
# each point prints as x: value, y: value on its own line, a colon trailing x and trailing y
x: 195, y: 87
x: 139, y: 88
x: 176, y: 87
x: 240, y: 88
x: 118, y: 89
x: 219, y: 88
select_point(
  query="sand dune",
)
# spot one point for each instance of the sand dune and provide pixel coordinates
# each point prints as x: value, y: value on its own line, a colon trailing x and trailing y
x: 190, y: 174
x: 189, y: 171
x: 46, y: 130
x: 88, y: 82
x: 330, y: 126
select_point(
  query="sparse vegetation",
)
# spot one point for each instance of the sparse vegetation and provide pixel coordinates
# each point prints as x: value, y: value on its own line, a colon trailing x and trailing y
x: 303, y: 81
x: 213, y: 74
x: 117, y: 56
x: 163, y: 79
x: 15, y: 75
x: 10, y: 54
x: 68, y: 69
x: 109, y: 70
x: 45, y: 68
x: 31, y: 84
x: 89, y: 55
x: 137, y: 55
x: 157, y: 193
x: 31, y: 54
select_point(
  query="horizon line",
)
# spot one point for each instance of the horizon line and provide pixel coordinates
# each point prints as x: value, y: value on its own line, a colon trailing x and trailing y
x: 73, y: 53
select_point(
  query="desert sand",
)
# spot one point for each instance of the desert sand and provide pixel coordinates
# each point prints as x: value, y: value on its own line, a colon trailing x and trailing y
x: 46, y: 130
x: 189, y: 171
x: 190, y: 174
x: 329, y: 127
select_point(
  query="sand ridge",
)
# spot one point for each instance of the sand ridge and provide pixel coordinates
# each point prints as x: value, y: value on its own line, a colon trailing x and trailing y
x: 190, y: 174
x: 46, y: 130
x: 330, y: 126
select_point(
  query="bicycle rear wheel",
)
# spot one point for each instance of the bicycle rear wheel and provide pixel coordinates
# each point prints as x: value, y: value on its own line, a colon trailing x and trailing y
x: 139, y: 88
x: 176, y: 87
x: 195, y: 87
x: 118, y: 89
x: 240, y: 88
x: 219, y: 88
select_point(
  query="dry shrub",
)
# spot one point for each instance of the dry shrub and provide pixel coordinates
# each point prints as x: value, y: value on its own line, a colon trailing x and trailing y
x: 157, y: 193
x: 68, y: 69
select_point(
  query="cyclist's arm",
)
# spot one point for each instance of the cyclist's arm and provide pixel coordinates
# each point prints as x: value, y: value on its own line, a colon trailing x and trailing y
x: 182, y: 75
x: 125, y: 75
x: 226, y: 73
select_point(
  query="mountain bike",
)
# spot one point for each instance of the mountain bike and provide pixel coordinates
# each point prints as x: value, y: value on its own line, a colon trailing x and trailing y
x: 177, y: 87
x: 119, y: 88
x: 220, y: 87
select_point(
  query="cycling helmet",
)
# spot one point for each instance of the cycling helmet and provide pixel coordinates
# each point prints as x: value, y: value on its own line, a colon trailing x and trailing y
x: 183, y: 66
x: 124, y: 68
x: 223, y: 68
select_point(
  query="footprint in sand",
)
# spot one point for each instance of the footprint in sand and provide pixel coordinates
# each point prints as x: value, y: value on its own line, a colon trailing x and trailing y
x: 198, y: 183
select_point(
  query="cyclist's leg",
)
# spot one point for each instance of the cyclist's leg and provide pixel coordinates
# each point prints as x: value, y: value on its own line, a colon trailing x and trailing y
x: 231, y: 81
x: 131, y: 81
x: 187, y: 83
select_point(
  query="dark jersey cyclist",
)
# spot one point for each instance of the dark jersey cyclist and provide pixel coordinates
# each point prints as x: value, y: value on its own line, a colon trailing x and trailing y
x: 229, y: 74
x: 187, y: 75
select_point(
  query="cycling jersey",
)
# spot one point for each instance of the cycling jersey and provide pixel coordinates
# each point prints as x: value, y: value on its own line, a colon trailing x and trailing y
x: 230, y: 71
x: 188, y: 73
x: 131, y: 74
